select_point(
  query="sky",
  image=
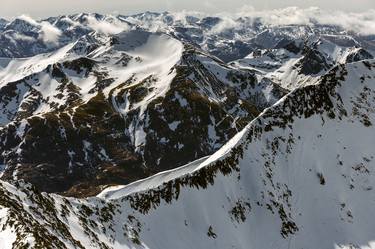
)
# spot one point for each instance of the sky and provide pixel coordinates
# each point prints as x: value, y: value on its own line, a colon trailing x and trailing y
x: 45, y: 8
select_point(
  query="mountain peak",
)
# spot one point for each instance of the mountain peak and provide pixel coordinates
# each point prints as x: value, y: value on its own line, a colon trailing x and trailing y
x: 216, y: 128
x: 263, y: 172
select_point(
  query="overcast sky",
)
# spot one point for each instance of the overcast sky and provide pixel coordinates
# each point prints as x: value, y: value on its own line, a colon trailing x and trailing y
x: 43, y: 8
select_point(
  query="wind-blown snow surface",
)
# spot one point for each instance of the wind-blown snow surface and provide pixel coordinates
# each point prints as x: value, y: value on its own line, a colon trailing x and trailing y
x: 301, y: 175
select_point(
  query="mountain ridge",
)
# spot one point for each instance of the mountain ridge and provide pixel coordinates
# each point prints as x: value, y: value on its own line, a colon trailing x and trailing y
x: 122, y: 105
x: 126, y: 82
x: 246, y: 198
x: 160, y: 130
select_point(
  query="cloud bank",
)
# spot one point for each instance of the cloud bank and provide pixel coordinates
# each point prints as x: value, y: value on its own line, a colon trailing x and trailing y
x: 362, y: 23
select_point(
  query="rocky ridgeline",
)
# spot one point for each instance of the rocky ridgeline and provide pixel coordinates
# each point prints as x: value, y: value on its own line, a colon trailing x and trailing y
x: 74, y: 126
x: 261, y: 176
x: 94, y: 108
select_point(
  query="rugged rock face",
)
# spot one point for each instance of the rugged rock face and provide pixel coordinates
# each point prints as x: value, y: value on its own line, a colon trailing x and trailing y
x: 274, y: 125
x: 295, y: 63
x: 274, y: 177
x: 93, y: 107
x: 121, y: 110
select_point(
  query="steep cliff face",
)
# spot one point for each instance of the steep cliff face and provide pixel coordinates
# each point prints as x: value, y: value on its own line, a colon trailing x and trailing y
x: 300, y: 173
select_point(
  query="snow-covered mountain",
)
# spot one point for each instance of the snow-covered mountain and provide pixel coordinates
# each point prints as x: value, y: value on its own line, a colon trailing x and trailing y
x: 224, y: 131
x: 300, y: 175
x: 299, y: 62
x: 116, y: 108
x: 89, y: 100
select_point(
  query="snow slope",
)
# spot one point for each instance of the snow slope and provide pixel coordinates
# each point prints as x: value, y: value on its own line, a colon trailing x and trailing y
x: 106, y: 100
x: 298, y: 176
x: 300, y: 62
x: 119, y: 105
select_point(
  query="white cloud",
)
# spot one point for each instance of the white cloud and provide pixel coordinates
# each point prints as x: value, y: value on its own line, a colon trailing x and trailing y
x: 225, y: 24
x: 363, y: 23
x: 49, y: 34
x: 16, y: 37
x: 28, y: 19
x: 106, y: 27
